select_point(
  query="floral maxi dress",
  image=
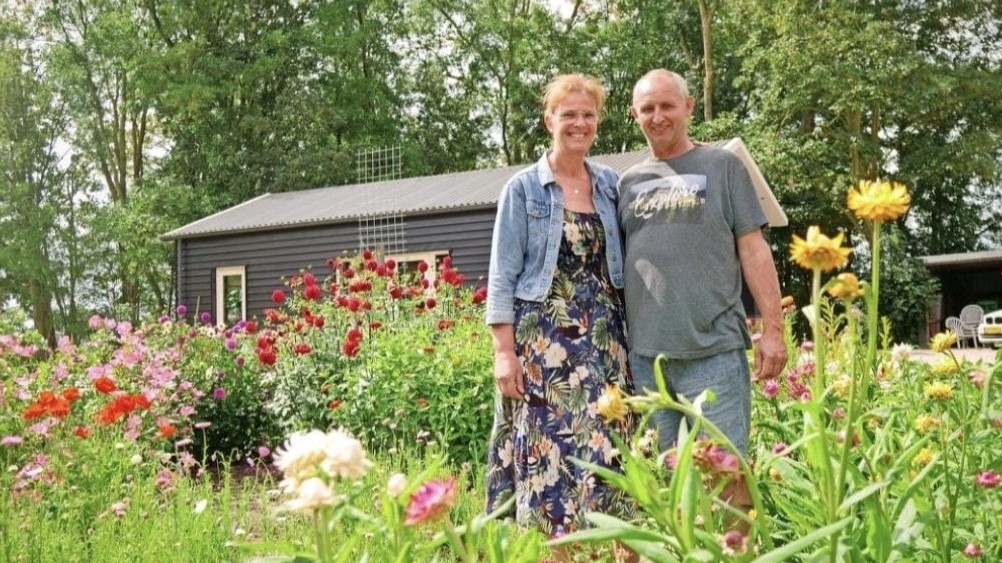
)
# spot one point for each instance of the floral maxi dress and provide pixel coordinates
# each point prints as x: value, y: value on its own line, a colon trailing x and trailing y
x: 571, y: 346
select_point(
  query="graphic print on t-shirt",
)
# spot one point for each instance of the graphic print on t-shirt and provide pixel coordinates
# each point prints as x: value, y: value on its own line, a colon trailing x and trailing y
x: 677, y: 199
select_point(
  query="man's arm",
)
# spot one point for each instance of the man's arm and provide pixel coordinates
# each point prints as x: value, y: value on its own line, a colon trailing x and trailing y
x: 760, y: 274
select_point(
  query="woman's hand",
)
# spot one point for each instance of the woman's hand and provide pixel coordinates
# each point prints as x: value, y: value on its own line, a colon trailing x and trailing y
x: 508, y: 374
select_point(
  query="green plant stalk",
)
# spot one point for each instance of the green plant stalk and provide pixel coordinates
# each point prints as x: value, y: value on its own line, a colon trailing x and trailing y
x: 323, y: 554
x: 463, y: 553
x: 850, y: 426
x: 872, y: 305
x: 819, y: 343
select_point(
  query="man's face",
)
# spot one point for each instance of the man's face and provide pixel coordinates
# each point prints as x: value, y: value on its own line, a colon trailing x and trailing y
x: 662, y: 113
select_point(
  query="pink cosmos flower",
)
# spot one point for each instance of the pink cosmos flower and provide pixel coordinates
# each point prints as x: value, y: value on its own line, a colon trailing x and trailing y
x: 988, y: 479
x: 431, y: 502
x: 11, y: 441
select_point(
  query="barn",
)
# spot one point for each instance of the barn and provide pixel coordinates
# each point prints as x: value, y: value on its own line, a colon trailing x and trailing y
x: 229, y: 263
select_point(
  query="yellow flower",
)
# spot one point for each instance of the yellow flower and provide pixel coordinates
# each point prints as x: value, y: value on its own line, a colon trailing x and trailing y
x: 925, y: 423
x: 875, y: 422
x: 819, y: 252
x: 943, y: 341
x: 610, y: 405
x: 775, y: 475
x: 939, y: 390
x: 879, y: 201
x: 753, y: 515
x: 922, y: 458
x: 846, y: 287
x: 945, y: 366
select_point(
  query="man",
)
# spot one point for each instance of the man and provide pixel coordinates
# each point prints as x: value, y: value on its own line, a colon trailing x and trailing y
x: 693, y: 224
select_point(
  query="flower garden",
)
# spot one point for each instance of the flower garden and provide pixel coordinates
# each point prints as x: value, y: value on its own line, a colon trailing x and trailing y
x: 349, y: 423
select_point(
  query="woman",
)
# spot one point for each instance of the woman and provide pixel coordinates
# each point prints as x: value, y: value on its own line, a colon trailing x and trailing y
x: 557, y: 323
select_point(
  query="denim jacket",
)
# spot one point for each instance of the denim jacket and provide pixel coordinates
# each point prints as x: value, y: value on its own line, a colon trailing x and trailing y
x: 527, y: 234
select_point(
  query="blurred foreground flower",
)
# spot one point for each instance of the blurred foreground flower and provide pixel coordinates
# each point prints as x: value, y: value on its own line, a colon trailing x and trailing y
x: 846, y: 287
x: 431, y: 502
x: 943, y: 341
x: 311, y: 454
x: 878, y: 201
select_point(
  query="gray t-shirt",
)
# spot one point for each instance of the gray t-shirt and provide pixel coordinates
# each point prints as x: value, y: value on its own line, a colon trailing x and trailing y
x: 681, y: 218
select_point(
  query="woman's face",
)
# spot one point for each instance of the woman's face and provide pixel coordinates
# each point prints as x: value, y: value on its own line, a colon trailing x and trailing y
x: 573, y: 123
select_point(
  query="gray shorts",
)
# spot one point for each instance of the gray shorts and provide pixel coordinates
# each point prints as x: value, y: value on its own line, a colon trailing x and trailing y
x: 726, y: 373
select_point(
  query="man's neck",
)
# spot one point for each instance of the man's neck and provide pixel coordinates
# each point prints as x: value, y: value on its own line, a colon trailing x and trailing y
x: 673, y: 151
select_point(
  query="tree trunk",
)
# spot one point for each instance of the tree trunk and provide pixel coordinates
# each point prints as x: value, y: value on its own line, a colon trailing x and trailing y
x: 706, y: 12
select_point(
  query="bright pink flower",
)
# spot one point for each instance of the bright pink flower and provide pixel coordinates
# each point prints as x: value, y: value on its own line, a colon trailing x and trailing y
x: 988, y: 479
x: 431, y: 502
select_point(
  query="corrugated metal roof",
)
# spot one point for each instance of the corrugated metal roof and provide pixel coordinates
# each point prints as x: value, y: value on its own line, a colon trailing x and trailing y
x: 408, y: 196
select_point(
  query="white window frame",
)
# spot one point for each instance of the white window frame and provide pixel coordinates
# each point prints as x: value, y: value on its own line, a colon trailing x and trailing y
x: 221, y: 274
x: 430, y: 256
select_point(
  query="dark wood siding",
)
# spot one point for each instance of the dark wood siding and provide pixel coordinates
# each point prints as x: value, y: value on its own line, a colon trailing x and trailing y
x: 268, y: 256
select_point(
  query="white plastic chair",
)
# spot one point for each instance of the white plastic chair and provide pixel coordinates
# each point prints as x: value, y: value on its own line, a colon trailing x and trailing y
x: 953, y: 325
x: 970, y: 318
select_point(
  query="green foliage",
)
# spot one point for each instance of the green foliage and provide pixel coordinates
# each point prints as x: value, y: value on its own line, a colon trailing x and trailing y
x: 907, y: 289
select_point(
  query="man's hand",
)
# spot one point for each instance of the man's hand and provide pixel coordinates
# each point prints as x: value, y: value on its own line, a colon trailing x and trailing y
x: 508, y: 374
x: 770, y: 355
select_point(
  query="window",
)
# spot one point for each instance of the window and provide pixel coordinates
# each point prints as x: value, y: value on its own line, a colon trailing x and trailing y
x: 407, y: 262
x: 231, y: 294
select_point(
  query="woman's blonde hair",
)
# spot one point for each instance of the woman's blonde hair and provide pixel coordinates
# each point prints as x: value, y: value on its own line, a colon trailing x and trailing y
x: 565, y: 84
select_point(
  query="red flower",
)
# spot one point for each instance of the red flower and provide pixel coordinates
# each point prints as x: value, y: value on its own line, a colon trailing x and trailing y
x: 333, y: 288
x: 430, y: 302
x: 444, y: 324
x: 317, y: 321
x: 479, y: 296
x: 313, y: 292
x: 391, y: 264
x: 81, y: 431
x: 71, y: 394
x: 167, y: 430
x: 278, y: 296
x: 267, y: 356
x: 104, y: 385
x: 250, y: 327
x: 446, y: 262
x: 422, y: 402
x: 422, y: 266
x: 335, y: 404
x: 354, y: 303
x: 396, y: 292
x: 302, y: 348
x: 350, y: 348
x: 375, y: 325
x: 354, y: 335
x: 367, y: 254
x: 34, y: 411
x: 348, y: 273
x: 60, y: 408
x: 309, y: 279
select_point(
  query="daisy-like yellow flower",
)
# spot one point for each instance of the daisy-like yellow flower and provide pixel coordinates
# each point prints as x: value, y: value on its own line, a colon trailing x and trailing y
x: 611, y: 405
x: 818, y: 252
x: 922, y: 458
x: 846, y: 287
x: 940, y: 390
x: 878, y: 201
x: 943, y: 341
x: 926, y: 422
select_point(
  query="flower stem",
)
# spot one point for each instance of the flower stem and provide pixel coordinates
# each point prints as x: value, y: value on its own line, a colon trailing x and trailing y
x: 872, y: 305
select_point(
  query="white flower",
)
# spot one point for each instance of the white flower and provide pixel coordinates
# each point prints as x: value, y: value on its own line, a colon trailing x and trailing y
x: 136, y: 459
x: 200, y: 506
x: 555, y: 356
x: 313, y: 495
x: 396, y: 485
x: 336, y: 453
x: 902, y: 352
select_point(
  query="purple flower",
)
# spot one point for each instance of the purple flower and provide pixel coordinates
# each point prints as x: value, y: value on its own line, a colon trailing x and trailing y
x: 263, y: 451
x: 95, y: 322
x: 219, y: 394
x: 206, y: 317
x: 164, y: 480
x: 779, y: 448
x: 164, y: 319
x: 988, y: 479
x: 231, y: 344
x: 973, y: 551
x: 182, y: 310
x: 240, y: 361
